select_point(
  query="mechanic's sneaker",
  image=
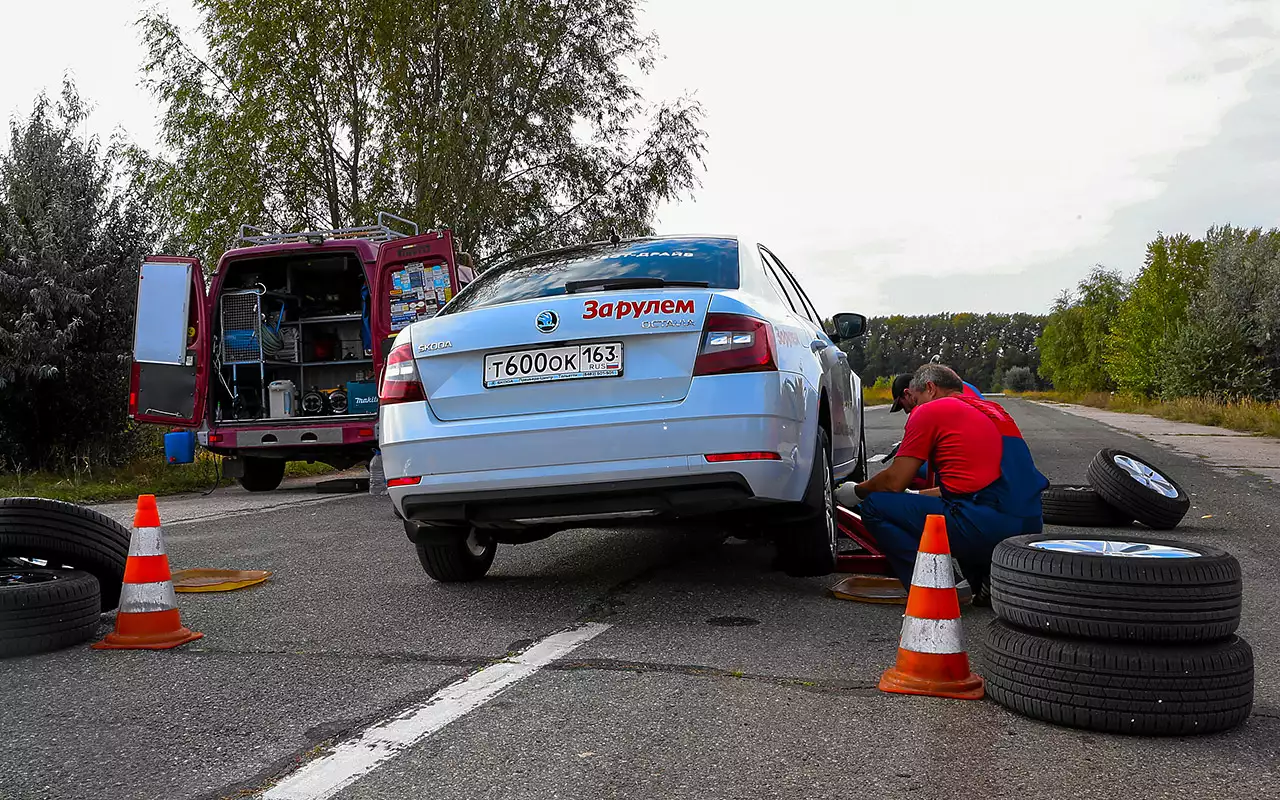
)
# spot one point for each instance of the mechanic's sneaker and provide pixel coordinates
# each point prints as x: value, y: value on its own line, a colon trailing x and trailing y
x: 982, y: 594
x: 846, y: 496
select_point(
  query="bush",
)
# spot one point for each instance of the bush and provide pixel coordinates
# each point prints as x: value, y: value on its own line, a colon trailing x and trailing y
x: 1019, y: 379
x: 73, y: 229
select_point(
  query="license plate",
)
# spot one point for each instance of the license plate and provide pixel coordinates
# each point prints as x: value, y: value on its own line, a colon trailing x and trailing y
x: 603, y: 360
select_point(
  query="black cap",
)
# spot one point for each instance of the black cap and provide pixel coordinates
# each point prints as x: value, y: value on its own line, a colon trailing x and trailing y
x: 900, y: 384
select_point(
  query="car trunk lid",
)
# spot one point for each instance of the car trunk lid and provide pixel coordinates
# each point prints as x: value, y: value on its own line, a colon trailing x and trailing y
x: 622, y: 347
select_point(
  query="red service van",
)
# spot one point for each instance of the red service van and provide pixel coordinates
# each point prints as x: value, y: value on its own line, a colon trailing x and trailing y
x: 277, y: 355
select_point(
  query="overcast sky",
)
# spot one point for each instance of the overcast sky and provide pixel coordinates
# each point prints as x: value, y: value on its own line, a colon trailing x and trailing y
x: 901, y: 157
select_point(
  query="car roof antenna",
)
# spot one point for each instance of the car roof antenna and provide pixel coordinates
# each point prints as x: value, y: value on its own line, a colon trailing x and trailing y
x: 614, y: 237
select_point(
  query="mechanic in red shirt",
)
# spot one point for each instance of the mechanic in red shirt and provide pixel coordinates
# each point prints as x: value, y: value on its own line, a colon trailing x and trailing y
x: 903, y: 400
x: 988, y: 486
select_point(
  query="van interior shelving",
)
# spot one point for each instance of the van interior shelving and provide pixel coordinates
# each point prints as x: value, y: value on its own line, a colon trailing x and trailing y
x: 293, y: 340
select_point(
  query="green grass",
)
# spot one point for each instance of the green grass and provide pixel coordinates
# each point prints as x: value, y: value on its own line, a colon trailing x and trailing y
x: 149, y: 475
x: 876, y: 395
x: 1250, y: 416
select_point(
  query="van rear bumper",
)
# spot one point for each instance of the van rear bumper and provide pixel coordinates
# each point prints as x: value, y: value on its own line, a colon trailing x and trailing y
x: 274, y: 434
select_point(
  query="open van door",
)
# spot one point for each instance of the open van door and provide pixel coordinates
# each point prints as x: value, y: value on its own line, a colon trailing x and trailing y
x: 169, y: 380
x: 414, y: 278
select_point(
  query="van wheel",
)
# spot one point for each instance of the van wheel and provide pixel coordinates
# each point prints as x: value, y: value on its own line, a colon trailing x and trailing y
x: 262, y: 474
x: 464, y: 556
x: 810, y: 547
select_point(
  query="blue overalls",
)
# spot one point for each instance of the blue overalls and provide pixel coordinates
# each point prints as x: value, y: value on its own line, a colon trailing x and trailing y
x: 976, y: 523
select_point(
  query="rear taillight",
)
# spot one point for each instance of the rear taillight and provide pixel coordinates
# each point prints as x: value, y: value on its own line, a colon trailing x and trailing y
x: 735, y: 343
x: 134, y: 374
x: 400, y: 382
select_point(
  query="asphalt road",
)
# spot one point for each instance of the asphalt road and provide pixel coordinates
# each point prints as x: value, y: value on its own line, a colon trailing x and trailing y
x: 665, y: 703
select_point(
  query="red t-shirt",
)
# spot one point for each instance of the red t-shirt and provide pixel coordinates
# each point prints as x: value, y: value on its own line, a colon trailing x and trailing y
x: 961, y: 444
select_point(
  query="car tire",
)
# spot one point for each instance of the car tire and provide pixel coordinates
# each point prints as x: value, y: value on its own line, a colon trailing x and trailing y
x: 46, y: 609
x: 458, y: 558
x: 262, y: 474
x: 1080, y: 507
x: 1136, y: 488
x: 1082, y: 591
x: 810, y: 547
x: 1142, y: 689
x: 65, y: 534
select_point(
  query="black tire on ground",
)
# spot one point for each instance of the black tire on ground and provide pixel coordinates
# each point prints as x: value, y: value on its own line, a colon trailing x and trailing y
x: 1149, y: 690
x: 1116, y: 597
x: 1157, y: 502
x: 66, y: 534
x: 809, y: 546
x: 46, y: 609
x: 1080, y: 507
x: 465, y: 556
x: 262, y: 474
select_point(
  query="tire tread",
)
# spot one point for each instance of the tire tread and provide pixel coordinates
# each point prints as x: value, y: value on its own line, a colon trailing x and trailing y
x: 1159, y: 690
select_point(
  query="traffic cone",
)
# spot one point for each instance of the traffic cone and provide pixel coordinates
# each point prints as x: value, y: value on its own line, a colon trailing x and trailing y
x: 148, y: 615
x: 931, y: 655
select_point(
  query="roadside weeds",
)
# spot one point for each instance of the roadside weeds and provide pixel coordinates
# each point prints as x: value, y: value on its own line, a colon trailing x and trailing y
x: 1248, y: 416
x: 149, y: 475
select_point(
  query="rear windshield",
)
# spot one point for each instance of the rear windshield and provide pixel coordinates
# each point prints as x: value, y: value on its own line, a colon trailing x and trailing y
x: 712, y: 261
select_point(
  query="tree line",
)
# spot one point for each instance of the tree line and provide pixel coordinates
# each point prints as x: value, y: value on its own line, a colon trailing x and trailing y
x: 518, y: 125
x: 1201, y: 318
x: 987, y: 350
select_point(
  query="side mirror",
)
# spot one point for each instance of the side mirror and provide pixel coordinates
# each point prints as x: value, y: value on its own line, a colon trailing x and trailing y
x: 848, y: 326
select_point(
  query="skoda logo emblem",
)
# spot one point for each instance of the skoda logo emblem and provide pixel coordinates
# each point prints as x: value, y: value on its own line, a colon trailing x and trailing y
x: 547, y: 321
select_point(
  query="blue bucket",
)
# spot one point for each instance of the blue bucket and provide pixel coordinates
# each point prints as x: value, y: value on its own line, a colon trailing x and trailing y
x: 180, y: 447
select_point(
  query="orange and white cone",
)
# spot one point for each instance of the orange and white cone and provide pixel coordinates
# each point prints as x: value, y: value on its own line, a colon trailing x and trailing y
x: 148, y: 615
x: 931, y: 656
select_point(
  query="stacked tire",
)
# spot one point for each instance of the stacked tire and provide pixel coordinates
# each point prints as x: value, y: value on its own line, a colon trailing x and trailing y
x: 1122, y: 488
x: 61, y: 566
x: 1121, y: 636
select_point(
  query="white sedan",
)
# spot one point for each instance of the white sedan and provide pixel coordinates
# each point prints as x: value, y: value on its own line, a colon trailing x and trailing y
x: 680, y: 378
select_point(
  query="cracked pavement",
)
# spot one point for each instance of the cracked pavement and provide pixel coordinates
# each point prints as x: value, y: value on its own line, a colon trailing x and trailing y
x: 719, y: 678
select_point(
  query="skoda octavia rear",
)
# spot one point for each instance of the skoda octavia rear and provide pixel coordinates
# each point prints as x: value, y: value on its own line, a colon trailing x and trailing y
x: 667, y: 378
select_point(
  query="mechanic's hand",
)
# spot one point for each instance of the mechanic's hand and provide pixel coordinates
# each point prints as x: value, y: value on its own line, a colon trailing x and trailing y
x: 846, y: 496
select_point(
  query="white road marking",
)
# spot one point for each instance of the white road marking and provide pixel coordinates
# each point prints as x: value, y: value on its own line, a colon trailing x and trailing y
x: 350, y: 760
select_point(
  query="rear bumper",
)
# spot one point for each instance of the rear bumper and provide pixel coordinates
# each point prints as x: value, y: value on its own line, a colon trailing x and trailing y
x: 685, y: 496
x: 585, y: 455
x: 296, y: 440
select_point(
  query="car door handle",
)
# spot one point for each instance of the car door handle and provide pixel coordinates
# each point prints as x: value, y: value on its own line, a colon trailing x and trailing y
x: 818, y: 345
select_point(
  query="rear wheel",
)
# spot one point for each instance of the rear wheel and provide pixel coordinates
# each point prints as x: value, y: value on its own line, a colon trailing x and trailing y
x: 810, y: 547
x: 464, y: 555
x: 262, y: 474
